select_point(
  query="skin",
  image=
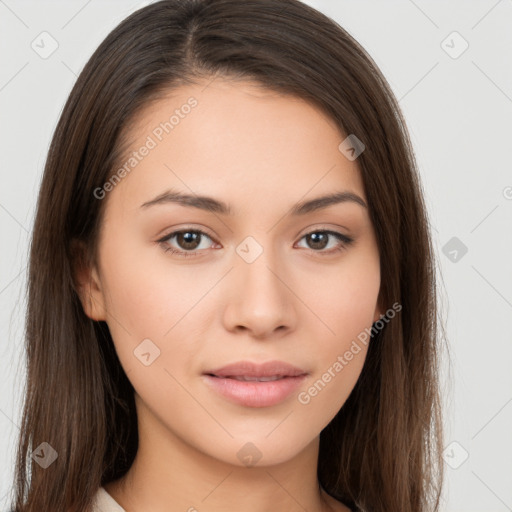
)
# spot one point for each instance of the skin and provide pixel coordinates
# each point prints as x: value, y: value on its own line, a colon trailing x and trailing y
x: 260, y: 152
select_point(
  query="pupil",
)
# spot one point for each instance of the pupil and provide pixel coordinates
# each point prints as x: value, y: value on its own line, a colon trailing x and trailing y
x: 317, y: 240
x: 188, y: 238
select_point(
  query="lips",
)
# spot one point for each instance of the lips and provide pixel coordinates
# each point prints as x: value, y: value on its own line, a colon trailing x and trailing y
x: 255, y: 385
x: 249, y: 371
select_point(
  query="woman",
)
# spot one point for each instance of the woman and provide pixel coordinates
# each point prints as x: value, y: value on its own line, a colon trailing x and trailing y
x: 231, y: 293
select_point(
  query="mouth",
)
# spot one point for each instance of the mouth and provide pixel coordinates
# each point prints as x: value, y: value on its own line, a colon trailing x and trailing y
x: 246, y: 378
x: 248, y: 370
x: 255, y: 385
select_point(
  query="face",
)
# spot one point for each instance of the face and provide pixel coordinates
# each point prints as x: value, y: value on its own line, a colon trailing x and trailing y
x: 188, y: 287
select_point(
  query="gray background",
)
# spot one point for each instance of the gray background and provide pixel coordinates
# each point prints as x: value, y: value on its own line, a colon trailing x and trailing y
x: 458, y: 107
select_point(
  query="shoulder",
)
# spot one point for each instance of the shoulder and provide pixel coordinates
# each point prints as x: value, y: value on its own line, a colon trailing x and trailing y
x: 104, y: 502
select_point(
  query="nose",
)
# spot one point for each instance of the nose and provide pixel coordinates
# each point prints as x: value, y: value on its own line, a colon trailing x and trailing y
x: 261, y: 300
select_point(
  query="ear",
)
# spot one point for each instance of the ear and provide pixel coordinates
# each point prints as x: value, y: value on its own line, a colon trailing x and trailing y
x: 87, y: 282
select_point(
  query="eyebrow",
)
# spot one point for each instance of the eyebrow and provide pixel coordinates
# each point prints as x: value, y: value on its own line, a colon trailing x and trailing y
x: 214, y: 205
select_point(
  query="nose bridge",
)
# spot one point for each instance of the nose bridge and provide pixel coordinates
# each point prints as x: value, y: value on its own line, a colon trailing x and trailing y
x: 263, y: 303
x: 259, y: 261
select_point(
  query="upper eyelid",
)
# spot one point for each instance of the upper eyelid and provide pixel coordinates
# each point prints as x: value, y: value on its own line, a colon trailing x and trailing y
x: 184, y: 230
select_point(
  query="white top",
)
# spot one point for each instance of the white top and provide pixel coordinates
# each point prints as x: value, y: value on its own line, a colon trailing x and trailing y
x: 103, y: 502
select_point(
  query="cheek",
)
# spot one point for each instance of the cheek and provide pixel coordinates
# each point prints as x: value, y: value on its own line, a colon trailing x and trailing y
x: 344, y: 296
x: 146, y: 299
x: 340, y: 354
x: 144, y: 290
x: 324, y: 395
x: 346, y: 308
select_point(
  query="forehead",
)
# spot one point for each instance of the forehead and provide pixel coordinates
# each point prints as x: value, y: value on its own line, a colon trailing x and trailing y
x: 222, y: 136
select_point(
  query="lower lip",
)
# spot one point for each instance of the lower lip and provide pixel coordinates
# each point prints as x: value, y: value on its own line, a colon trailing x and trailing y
x: 255, y: 393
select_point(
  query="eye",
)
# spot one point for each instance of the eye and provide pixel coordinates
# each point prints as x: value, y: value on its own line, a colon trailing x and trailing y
x: 319, y: 240
x: 189, y: 242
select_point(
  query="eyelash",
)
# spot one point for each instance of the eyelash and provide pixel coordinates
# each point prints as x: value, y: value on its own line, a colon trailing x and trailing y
x: 345, y: 242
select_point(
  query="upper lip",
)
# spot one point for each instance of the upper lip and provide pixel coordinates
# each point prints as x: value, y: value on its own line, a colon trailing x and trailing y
x: 250, y: 369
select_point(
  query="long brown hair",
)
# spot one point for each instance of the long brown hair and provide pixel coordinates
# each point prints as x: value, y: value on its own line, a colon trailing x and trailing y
x: 382, y: 451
